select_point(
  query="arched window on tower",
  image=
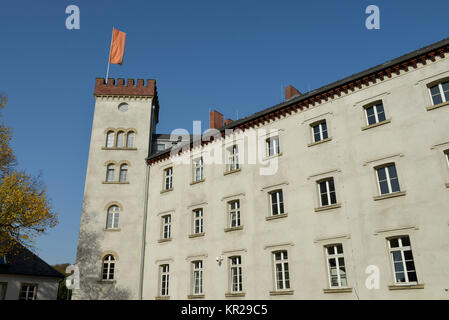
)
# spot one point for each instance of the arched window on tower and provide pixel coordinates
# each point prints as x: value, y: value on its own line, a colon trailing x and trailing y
x: 130, y: 139
x: 108, y: 267
x: 123, y: 173
x: 120, y: 139
x: 110, y: 173
x: 112, y: 218
x: 110, y: 139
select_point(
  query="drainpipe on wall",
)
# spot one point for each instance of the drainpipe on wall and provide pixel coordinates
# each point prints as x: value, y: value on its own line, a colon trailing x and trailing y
x: 144, y: 231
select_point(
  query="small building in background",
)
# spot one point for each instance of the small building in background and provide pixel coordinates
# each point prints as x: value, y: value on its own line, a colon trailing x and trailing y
x: 25, y: 276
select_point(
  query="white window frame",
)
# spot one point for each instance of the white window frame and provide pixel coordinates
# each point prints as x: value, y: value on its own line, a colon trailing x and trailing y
x: 200, y: 219
x: 108, y: 268
x: 401, y: 249
x: 388, y: 178
x: 123, y: 173
x: 328, y: 192
x: 110, y: 139
x: 130, y: 136
x: 233, y: 158
x: 198, y: 167
x: 235, y: 274
x: 320, y: 130
x: 336, y: 256
x: 121, y: 139
x: 164, y: 280
x: 376, y: 113
x: 197, y: 277
x: 278, y: 202
x: 168, y: 178
x: 272, y: 146
x: 284, y: 272
x: 110, y: 172
x: 28, y: 291
x: 234, y: 213
x: 440, y: 90
x: 166, y: 226
x: 113, y: 217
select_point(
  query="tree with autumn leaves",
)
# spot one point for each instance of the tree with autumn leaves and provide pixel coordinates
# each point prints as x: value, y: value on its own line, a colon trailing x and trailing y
x: 25, y: 209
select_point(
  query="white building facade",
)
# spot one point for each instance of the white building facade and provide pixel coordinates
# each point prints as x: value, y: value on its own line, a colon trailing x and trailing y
x: 340, y: 193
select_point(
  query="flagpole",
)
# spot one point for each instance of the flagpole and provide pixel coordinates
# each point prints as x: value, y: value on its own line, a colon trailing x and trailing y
x: 109, y: 59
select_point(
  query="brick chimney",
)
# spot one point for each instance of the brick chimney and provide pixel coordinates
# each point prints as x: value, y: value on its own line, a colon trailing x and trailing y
x: 215, y: 120
x: 227, y: 121
x: 290, y: 92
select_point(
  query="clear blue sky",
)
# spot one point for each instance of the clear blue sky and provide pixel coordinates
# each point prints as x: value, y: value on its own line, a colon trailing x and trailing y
x: 229, y: 55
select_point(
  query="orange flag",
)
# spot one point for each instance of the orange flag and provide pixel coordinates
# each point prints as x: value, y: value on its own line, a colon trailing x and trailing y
x: 117, y: 47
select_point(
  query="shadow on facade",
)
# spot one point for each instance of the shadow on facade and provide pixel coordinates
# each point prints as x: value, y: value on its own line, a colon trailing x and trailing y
x: 88, y: 260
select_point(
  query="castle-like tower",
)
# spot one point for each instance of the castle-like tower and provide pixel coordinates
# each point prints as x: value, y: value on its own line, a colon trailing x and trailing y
x: 114, y: 203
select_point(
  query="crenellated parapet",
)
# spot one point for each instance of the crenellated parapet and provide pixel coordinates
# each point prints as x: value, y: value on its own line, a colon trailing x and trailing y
x: 119, y: 88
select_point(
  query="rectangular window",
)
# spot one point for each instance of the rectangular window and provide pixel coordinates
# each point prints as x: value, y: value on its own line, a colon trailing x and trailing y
x: 168, y: 178
x: 439, y: 93
x: 234, y: 213
x: 164, y: 279
x: 336, y: 266
x: 402, y: 259
x: 233, y: 158
x: 235, y: 265
x: 281, y: 273
x: 166, y: 227
x: 3, y: 259
x: 327, y: 192
x: 3, y: 287
x: 319, y: 131
x: 387, y: 178
x: 375, y: 114
x: 198, y: 221
x: 28, y: 292
x: 197, y: 277
x: 277, y: 202
x: 198, y: 168
x: 272, y: 145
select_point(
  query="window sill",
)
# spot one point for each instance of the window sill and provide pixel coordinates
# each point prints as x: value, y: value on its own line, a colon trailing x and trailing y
x: 337, y: 290
x: 196, y: 182
x: 437, y: 106
x: 166, y: 190
x: 266, y: 158
x: 232, y: 171
x: 196, y: 235
x: 278, y: 216
x: 106, y: 281
x: 233, y: 229
x: 112, y: 229
x: 195, y: 296
x: 282, y: 293
x: 126, y: 149
x: 329, y: 207
x: 235, y: 294
x: 376, y: 124
x: 390, y: 195
x: 405, y: 286
x: 162, y: 298
x: 115, y: 182
x: 319, y: 142
x: 164, y: 240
